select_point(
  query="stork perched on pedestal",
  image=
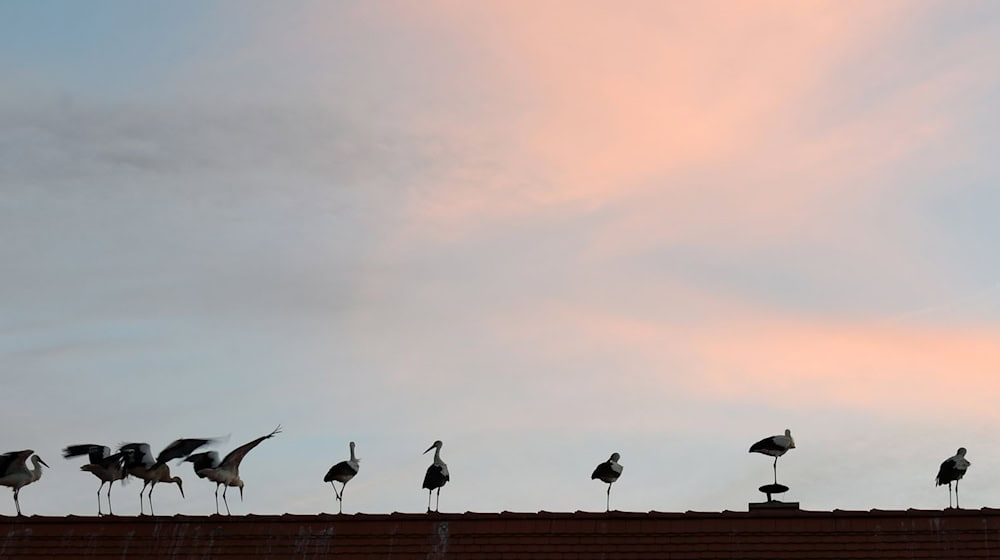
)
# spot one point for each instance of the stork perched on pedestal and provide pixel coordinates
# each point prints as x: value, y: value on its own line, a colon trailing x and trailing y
x: 103, y: 464
x: 139, y: 463
x: 608, y: 472
x: 436, y: 476
x: 226, y: 472
x: 952, y: 470
x: 774, y: 446
x: 343, y: 472
x: 14, y: 472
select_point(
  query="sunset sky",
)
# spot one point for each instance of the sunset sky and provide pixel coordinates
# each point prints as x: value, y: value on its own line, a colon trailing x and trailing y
x: 541, y: 232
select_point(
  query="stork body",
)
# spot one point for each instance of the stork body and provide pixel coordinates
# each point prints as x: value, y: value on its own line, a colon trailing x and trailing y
x: 15, y: 474
x: 103, y: 464
x: 436, y: 476
x: 225, y: 473
x: 774, y: 446
x: 139, y: 462
x: 343, y: 472
x: 952, y: 470
x: 608, y: 472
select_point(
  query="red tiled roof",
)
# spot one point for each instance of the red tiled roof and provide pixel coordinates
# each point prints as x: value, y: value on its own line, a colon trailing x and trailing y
x: 965, y: 534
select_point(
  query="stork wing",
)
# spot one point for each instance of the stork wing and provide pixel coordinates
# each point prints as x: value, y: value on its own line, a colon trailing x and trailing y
x: 181, y: 448
x: 12, y: 459
x: 236, y: 455
x: 206, y: 460
x: 137, y: 454
x: 95, y: 453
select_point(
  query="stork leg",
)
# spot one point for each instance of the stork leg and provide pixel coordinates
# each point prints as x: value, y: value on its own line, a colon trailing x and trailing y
x: 141, y: 504
x: 99, y: 488
x: 217, y: 498
x: 340, y: 499
x: 437, y: 503
x: 224, y: 500
x: 775, y: 470
x: 110, y: 484
x: 956, y: 496
x: 17, y: 503
x: 608, y: 506
x: 150, y: 497
x: 429, y: 492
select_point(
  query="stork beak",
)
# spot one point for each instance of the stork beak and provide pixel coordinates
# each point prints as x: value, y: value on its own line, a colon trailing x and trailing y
x: 180, y: 486
x: 241, y: 493
x: 43, y: 462
x: 428, y: 449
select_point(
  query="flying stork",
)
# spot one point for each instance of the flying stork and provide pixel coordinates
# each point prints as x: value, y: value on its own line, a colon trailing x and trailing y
x: 103, y: 464
x: 953, y: 469
x: 343, y: 472
x: 437, y: 475
x: 775, y: 446
x: 14, y: 472
x: 226, y: 472
x: 139, y: 462
x: 608, y: 471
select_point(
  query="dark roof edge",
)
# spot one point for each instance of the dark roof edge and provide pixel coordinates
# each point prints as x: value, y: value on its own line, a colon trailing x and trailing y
x: 504, y: 515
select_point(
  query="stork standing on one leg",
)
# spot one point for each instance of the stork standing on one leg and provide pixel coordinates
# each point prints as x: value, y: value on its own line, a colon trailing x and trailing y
x: 14, y: 472
x: 103, y: 464
x: 139, y: 463
x: 608, y: 471
x: 343, y: 472
x: 436, y: 476
x: 227, y: 472
x: 952, y: 470
x: 775, y: 446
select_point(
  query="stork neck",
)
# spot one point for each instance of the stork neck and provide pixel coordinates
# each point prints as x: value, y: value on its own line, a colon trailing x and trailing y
x: 353, y: 458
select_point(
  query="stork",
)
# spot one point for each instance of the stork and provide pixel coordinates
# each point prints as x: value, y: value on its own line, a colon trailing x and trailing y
x: 952, y: 470
x: 138, y: 462
x: 103, y: 464
x: 436, y: 476
x: 608, y: 471
x: 14, y: 472
x: 343, y: 472
x: 226, y: 472
x: 775, y: 446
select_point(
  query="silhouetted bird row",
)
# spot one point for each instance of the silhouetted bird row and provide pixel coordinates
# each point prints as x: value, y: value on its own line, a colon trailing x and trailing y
x: 136, y: 459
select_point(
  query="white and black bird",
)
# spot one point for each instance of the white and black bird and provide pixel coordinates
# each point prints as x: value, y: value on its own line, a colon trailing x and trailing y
x: 436, y: 476
x: 608, y: 472
x: 139, y: 462
x: 15, y: 474
x: 103, y: 464
x: 774, y: 446
x: 225, y: 473
x: 343, y: 472
x: 952, y: 470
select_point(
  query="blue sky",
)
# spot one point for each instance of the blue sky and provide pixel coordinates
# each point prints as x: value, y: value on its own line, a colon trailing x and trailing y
x: 539, y: 234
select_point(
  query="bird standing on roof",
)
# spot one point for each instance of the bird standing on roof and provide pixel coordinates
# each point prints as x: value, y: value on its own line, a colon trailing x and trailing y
x: 226, y: 472
x: 608, y: 471
x: 343, y: 472
x: 952, y: 470
x: 436, y: 476
x: 775, y: 446
x: 139, y: 463
x: 14, y: 472
x: 103, y: 464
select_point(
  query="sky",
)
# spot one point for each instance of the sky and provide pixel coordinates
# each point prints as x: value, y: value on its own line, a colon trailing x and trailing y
x: 541, y: 232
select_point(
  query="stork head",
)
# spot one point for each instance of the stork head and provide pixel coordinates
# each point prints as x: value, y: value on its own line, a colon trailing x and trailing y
x: 791, y: 440
x: 961, y: 452
x: 35, y: 459
x: 615, y: 457
x: 180, y: 485
x: 239, y: 484
x: 436, y: 445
